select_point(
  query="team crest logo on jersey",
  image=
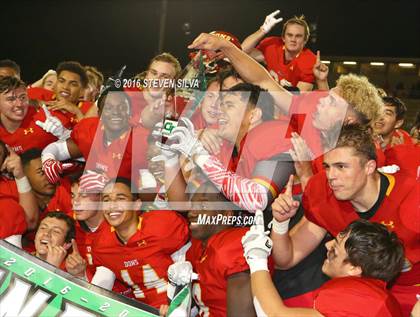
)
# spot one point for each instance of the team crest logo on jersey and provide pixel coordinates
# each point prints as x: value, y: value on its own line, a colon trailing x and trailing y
x: 389, y: 225
x: 117, y: 156
x: 142, y: 243
x: 28, y: 131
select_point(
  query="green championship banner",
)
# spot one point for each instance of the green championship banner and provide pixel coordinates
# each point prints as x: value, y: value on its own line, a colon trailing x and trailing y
x: 32, y: 287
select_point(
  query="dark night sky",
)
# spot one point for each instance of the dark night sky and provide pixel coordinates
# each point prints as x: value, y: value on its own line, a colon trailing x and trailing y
x: 110, y: 33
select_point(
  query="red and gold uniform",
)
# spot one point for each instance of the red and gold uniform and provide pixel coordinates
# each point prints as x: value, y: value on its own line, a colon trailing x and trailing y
x: 29, y: 135
x: 298, y: 69
x: 398, y: 212
x: 42, y: 94
x: 221, y: 258
x: 356, y: 296
x: 12, y: 218
x: 142, y: 263
x: 116, y: 158
x: 406, y: 156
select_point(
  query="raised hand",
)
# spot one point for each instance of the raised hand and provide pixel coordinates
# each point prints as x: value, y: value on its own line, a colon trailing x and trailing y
x: 53, y: 169
x: 210, y: 42
x: 257, y: 244
x: 51, y: 124
x: 210, y: 140
x: 13, y: 164
x: 183, y: 140
x: 285, y: 207
x: 75, y: 264
x: 270, y: 21
x: 181, y: 273
x: 302, y: 156
x: 56, y: 254
x: 93, y: 182
x: 320, y: 70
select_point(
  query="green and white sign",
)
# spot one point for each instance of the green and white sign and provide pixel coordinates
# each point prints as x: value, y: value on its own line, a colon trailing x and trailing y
x: 32, y: 287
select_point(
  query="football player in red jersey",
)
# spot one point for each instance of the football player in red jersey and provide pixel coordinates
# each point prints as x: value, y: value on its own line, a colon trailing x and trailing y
x: 388, y: 126
x: 349, y: 189
x: 327, y: 110
x: 105, y: 143
x: 223, y: 287
x: 71, y: 82
x: 54, y: 237
x: 146, y: 101
x: 18, y: 127
x: 286, y: 57
x: 138, y: 246
x: 361, y: 260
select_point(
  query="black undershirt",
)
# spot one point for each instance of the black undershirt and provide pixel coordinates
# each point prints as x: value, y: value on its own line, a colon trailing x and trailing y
x: 382, y: 192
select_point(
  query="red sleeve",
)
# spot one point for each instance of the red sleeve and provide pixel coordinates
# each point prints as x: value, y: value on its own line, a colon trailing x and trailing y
x: 168, y: 227
x: 83, y: 134
x: 12, y: 218
x: 268, y: 41
x: 349, y: 297
x: 8, y: 189
x: 406, y: 156
x: 39, y: 93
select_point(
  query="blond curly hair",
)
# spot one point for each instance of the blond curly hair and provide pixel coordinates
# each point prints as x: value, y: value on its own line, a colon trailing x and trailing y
x: 362, y: 95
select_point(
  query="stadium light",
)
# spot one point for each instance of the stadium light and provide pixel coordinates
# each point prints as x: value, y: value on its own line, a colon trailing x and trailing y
x: 377, y: 64
x: 350, y: 63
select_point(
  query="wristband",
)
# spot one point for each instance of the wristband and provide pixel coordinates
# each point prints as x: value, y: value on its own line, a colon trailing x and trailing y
x: 23, y: 185
x: 280, y: 227
x: 257, y: 265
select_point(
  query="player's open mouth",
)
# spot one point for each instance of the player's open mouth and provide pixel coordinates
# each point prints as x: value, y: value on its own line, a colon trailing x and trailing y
x: 44, y: 242
x: 64, y: 94
x: 223, y: 121
x: 18, y: 112
x: 114, y: 214
x: 213, y: 114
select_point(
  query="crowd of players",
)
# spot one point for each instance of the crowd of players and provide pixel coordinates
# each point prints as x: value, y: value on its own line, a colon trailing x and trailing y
x: 91, y: 184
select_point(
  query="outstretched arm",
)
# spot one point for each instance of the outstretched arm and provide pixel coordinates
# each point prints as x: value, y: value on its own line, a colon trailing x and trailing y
x: 247, y: 67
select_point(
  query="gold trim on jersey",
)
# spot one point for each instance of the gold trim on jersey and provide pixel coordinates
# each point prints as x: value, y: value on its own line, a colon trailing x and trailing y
x: 391, y: 180
x: 267, y: 185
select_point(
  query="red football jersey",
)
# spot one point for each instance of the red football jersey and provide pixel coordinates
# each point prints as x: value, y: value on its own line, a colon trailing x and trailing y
x: 12, y: 218
x: 42, y: 94
x: 400, y: 133
x: 406, y: 156
x: 398, y: 212
x: 221, y: 258
x: 143, y: 262
x: 355, y: 296
x: 116, y: 158
x: 298, y: 69
x: 29, y: 135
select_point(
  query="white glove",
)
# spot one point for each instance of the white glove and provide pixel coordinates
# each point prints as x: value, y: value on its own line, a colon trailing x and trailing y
x: 53, y: 125
x: 147, y: 180
x: 170, y: 158
x: 270, y: 21
x: 257, y: 244
x: 183, y: 140
x: 181, y: 273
